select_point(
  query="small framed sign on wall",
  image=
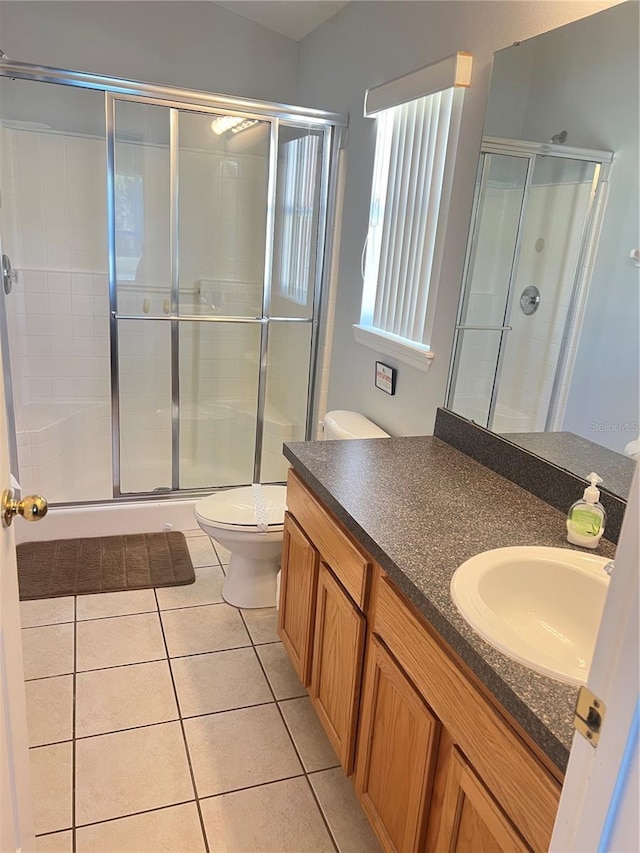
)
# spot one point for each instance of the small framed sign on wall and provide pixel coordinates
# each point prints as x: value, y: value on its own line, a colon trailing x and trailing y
x: 385, y: 378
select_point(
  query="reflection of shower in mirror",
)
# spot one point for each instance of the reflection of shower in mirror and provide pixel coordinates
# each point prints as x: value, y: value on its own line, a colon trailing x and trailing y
x: 574, y: 366
x: 527, y: 278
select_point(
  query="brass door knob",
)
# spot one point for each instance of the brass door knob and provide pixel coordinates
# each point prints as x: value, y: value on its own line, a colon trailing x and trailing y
x: 31, y: 508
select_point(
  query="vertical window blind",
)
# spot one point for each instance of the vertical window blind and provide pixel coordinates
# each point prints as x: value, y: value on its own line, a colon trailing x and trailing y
x: 417, y: 123
x: 409, y: 171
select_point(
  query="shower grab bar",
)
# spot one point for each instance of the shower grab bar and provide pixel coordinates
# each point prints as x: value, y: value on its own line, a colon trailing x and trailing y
x: 485, y: 328
x: 211, y: 318
x: 190, y: 318
x: 290, y: 319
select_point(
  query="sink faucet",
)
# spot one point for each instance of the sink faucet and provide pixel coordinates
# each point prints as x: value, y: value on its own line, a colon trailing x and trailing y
x: 609, y: 567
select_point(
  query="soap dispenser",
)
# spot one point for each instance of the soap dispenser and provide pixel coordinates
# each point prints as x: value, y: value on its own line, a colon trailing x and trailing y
x: 587, y: 517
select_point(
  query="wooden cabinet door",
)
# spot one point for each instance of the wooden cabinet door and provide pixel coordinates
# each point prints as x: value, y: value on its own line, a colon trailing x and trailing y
x: 337, y: 665
x: 298, y: 584
x: 397, y: 752
x: 471, y: 821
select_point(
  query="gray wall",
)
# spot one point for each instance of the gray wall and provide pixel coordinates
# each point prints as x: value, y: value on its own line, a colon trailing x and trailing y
x: 197, y: 45
x: 365, y: 44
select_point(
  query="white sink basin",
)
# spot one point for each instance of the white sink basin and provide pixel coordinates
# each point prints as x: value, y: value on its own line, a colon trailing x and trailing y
x: 540, y: 606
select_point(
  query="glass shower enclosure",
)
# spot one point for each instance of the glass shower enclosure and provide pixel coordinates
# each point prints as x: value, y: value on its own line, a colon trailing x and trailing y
x: 533, y: 233
x: 170, y: 246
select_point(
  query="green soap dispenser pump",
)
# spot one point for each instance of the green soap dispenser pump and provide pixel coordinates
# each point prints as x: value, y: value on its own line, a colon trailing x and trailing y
x: 587, y: 517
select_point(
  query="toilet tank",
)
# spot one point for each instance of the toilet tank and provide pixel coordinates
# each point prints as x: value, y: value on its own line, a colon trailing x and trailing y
x: 342, y: 424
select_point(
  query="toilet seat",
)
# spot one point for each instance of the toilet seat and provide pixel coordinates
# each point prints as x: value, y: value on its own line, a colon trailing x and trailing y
x: 235, y: 509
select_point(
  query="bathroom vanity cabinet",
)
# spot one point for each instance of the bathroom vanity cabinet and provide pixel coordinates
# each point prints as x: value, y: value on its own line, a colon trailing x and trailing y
x: 321, y: 620
x: 437, y: 763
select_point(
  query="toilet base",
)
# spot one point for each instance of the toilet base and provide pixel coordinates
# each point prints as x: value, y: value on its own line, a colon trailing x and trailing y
x: 250, y: 583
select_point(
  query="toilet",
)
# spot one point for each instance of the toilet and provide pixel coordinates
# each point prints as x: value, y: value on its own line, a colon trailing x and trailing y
x: 342, y: 424
x: 248, y: 522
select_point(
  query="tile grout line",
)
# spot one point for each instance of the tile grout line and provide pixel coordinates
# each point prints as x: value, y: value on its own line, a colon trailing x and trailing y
x: 215, y: 551
x: 251, y: 787
x: 155, y: 609
x: 293, y: 743
x: 174, y: 805
x: 252, y: 644
x: 73, y: 741
x: 140, y: 662
x: 146, y: 612
x: 74, y: 737
x: 46, y: 624
x: 182, y: 729
x: 177, y: 720
x: 157, y: 722
x: 47, y: 677
x: 117, y: 818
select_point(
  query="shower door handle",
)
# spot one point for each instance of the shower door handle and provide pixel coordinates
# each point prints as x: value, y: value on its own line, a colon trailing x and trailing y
x: 464, y: 328
x: 9, y: 275
x: 31, y: 508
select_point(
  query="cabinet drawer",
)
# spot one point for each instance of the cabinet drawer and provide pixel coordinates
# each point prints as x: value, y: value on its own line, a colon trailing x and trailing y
x: 522, y: 786
x: 348, y: 563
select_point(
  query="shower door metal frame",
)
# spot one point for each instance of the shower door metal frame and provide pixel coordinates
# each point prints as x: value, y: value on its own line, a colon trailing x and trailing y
x: 333, y: 128
x: 531, y: 151
x: 175, y: 317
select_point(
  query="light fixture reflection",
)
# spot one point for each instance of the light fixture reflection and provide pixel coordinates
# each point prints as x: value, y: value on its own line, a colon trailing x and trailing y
x: 222, y: 124
x: 235, y: 124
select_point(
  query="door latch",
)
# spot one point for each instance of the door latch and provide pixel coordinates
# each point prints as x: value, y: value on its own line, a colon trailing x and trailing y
x: 589, y: 715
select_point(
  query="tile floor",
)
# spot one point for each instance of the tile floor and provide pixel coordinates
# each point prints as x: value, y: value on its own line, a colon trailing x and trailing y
x: 168, y: 721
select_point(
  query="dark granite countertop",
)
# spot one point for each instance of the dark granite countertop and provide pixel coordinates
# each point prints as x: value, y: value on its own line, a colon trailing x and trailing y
x: 580, y: 456
x: 421, y: 508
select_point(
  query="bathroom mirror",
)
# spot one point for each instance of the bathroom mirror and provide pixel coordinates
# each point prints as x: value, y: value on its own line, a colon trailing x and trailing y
x: 546, y: 348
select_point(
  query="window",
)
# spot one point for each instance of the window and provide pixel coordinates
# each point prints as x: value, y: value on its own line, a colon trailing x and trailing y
x: 294, y: 249
x: 417, y: 122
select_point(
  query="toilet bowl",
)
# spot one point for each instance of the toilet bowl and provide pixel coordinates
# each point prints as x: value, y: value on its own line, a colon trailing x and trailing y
x: 249, y: 521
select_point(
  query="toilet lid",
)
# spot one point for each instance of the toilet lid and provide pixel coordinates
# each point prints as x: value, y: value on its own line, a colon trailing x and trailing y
x: 237, y: 508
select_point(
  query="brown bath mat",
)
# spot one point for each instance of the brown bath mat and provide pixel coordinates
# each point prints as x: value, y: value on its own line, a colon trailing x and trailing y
x: 103, y: 564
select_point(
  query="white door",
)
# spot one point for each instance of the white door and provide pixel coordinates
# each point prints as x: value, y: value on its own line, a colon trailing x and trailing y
x: 599, y: 803
x: 16, y: 811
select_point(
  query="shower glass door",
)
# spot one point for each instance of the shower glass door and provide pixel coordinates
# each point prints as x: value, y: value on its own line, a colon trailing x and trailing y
x: 216, y: 245
x: 222, y: 190
x: 482, y: 325
x: 190, y: 202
